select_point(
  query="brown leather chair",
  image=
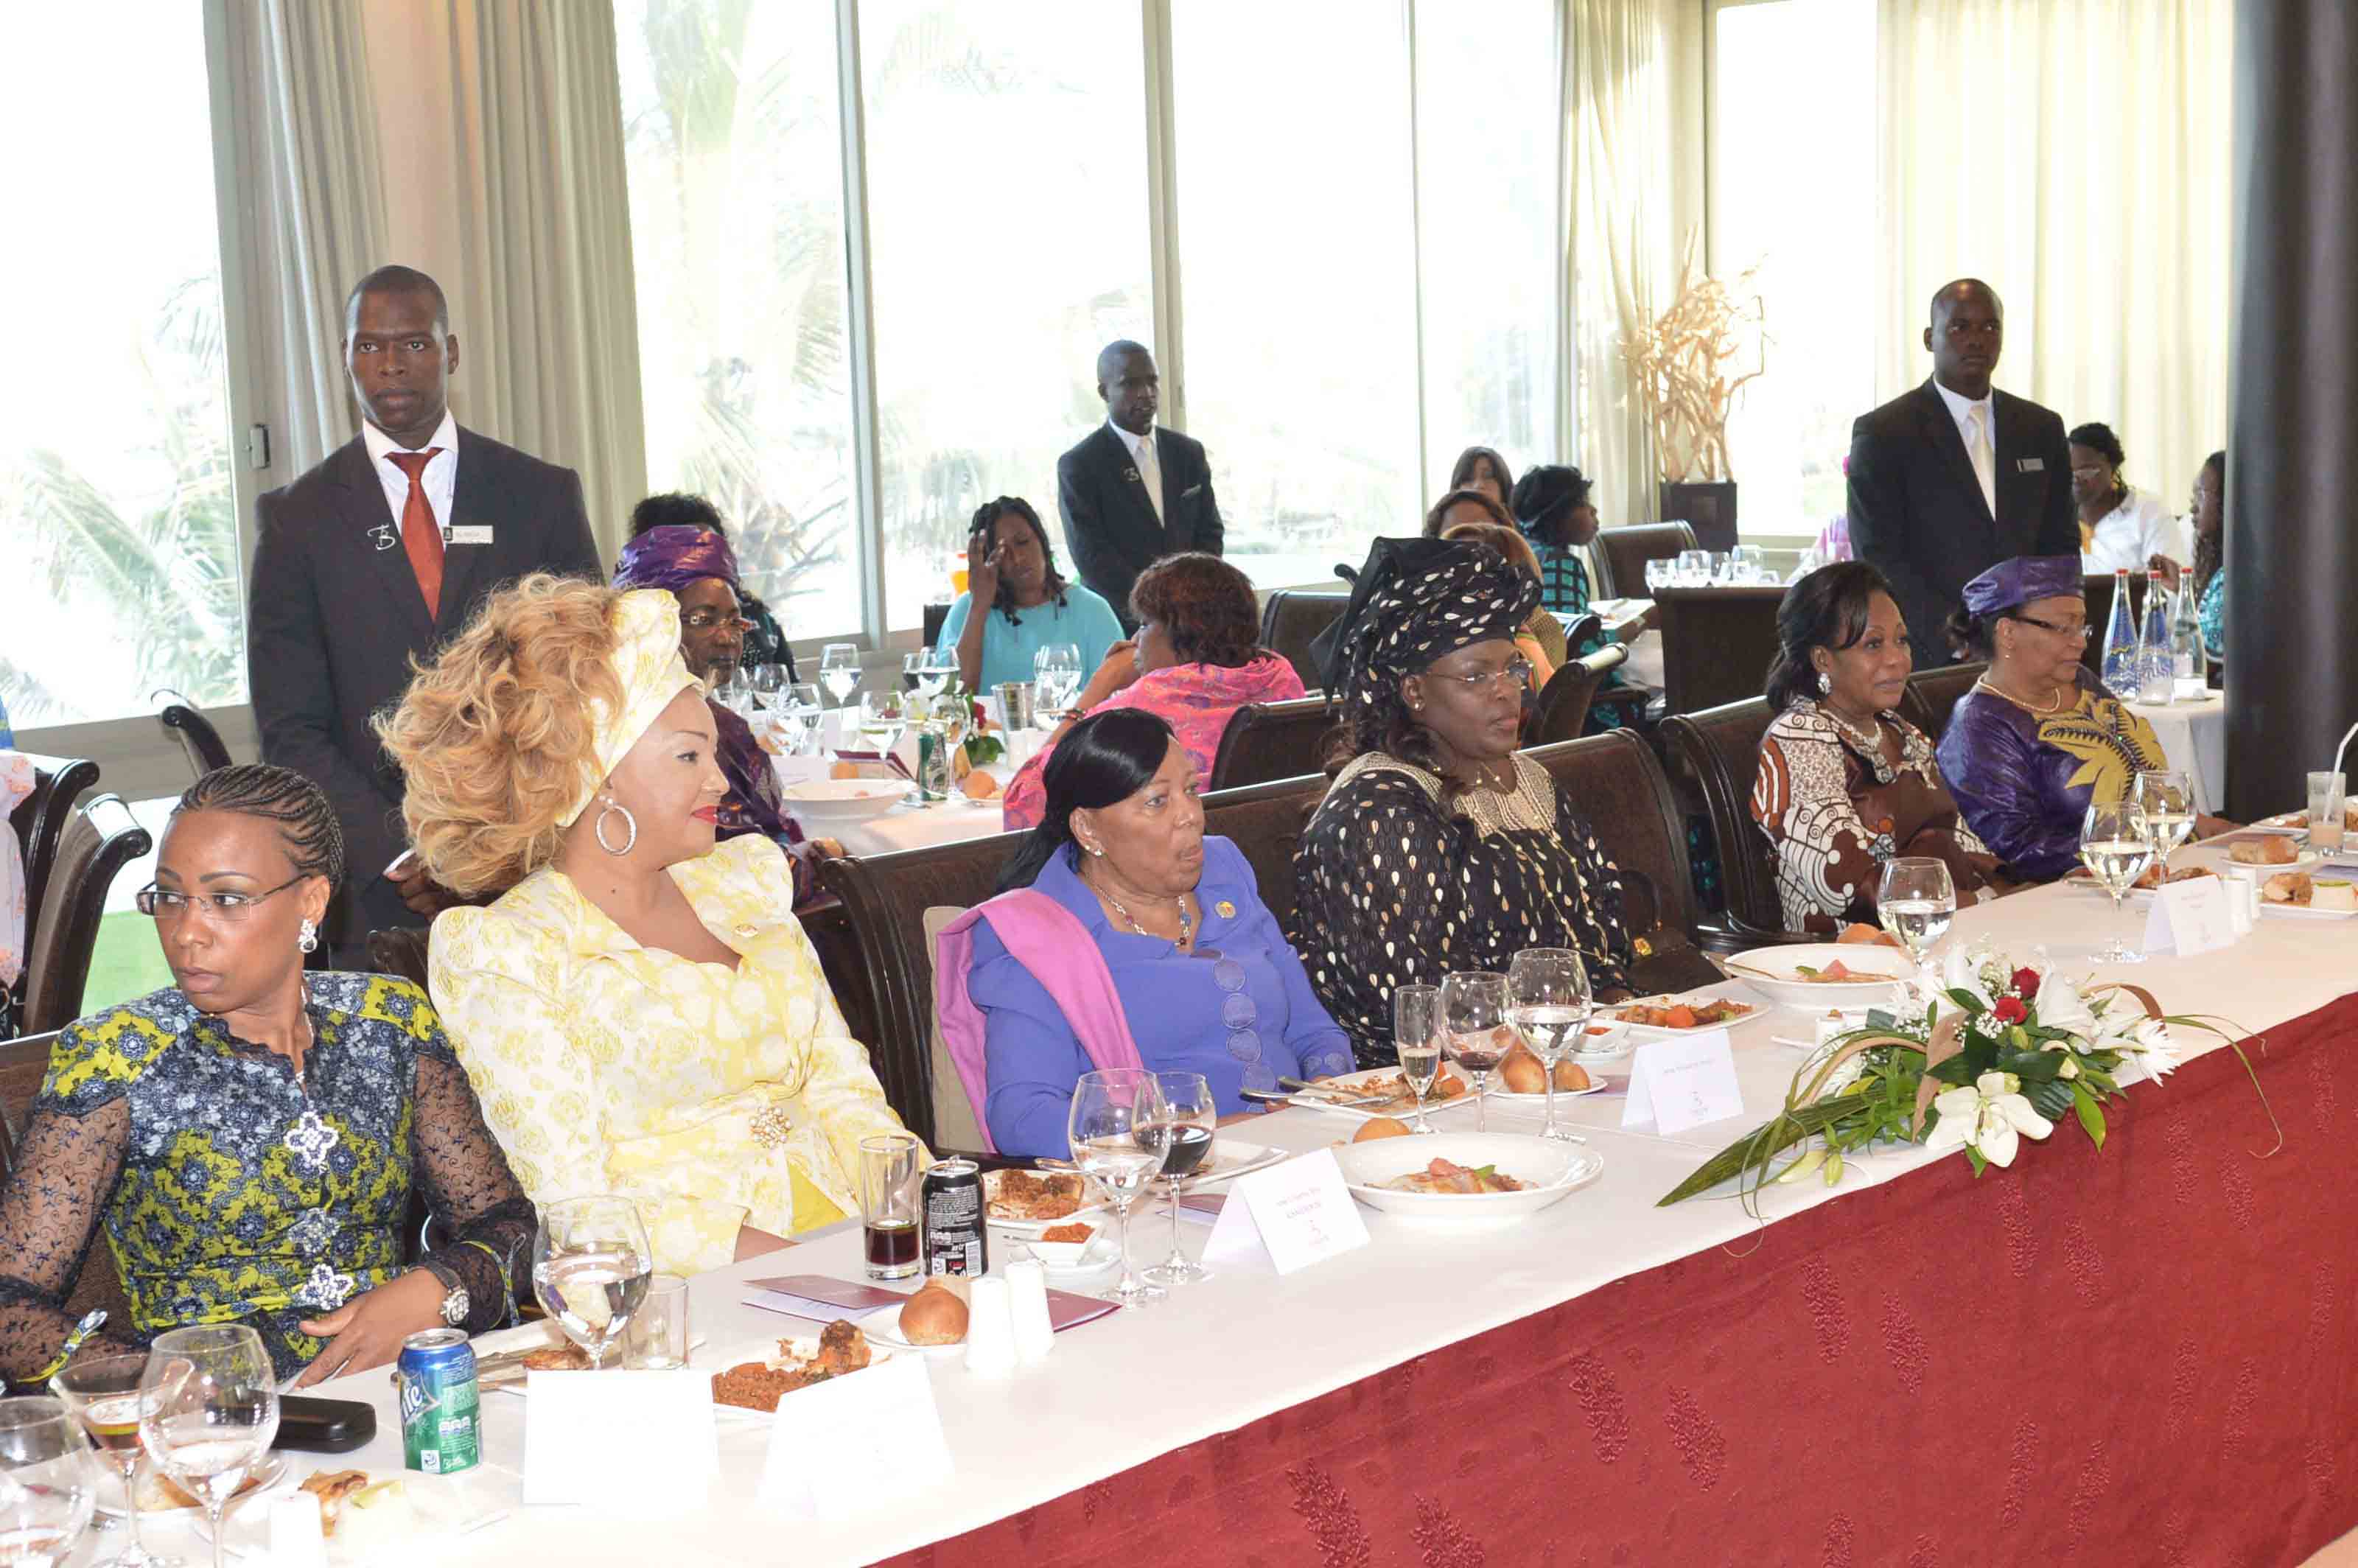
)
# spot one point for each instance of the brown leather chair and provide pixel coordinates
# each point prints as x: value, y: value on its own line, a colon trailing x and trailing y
x: 1267, y: 740
x: 1620, y: 555
x: 1720, y: 747
x: 198, y: 739
x: 1291, y: 619
x: 1561, y: 711
x: 1932, y: 695
x: 1717, y: 644
x: 41, y: 818
x: 103, y: 838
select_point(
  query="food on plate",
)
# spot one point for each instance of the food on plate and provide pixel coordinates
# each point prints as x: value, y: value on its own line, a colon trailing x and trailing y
x: 2328, y: 892
x: 1859, y: 931
x: 360, y: 1512
x: 844, y: 771
x: 1837, y: 974
x: 1570, y: 1076
x: 1445, y: 1176
x: 1028, y: 1196
x: 1394, y: 1088
x: 159, y: 1491
x: 2275, y: 849
x: 1076, y: 1232
x: 2151, y: 877
x: 1522, y: 1073
x: 2289, y: 887
x: 839, y: 1349
x: 566, y: 1358
x: 979, y: 785
x: 933, y: 1316
x: 1376, y: 1127
x: 1684, y: 1014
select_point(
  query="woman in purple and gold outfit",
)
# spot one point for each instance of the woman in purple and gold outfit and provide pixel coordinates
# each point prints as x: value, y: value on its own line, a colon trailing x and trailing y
x: 2038, y: 739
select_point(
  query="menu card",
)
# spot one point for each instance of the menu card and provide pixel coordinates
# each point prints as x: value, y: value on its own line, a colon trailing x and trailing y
x: 630, y: 1442
x: 1682, y: 1083
x: 856, y: 1444
x: 2193, y: 916
x: 819, y: 1297
x: 1288, y: 1216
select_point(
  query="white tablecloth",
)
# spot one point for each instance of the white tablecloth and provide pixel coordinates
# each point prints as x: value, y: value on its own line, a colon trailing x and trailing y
x: 913, y: 825
x: 2193, y: 736
x: 1104, y: 1402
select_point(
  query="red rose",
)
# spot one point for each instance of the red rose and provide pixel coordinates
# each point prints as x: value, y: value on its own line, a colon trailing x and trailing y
x: 2025, y: 984
x: 2009, y: 1010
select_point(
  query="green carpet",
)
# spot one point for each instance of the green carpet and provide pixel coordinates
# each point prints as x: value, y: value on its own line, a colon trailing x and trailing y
x: 129, y: 961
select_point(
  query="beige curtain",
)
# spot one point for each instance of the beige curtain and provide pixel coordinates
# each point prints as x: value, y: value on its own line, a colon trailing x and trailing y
x: 2074, y: 153
x: 1634, y: 70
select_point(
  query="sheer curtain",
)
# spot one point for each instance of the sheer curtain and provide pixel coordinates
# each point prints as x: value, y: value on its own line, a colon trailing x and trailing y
x: 2074, y: 154
x: 1633, y: 70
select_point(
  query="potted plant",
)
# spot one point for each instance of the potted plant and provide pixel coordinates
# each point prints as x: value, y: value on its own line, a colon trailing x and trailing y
x: 1686, y: 372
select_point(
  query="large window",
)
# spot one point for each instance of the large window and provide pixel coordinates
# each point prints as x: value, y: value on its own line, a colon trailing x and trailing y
x: 116, y: 480
x: 1007, y: 226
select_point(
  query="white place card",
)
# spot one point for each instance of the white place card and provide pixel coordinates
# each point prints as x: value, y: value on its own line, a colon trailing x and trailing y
x: 631, y: 1442
x: 854, y: 1444
x: 809, y: 768
x: 2191, y: 916
x: 1288, y: 1216
x: 1682, y: 1083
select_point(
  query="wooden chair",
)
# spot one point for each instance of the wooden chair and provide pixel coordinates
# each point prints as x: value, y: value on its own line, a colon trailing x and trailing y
x: 198, y: 739
x: 1267, y: 740
x: 1292, y: 618
x: 103, y: 838
x: 1620, y: 555
x: 1717, y: 644
x: 1720, y: 747
x: 1563, y: 703
x: 1932, y: 694
x: 41, y: 818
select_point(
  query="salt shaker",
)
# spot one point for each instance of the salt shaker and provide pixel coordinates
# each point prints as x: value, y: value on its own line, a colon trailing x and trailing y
x: 295, y: 1540
x: 989, y: 1329
x: 1027, y: 1292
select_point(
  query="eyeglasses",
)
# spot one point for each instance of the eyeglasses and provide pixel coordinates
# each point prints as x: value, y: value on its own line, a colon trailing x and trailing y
x: 2080, y: 632
x: 1515, y: 673
x: 705, y: 619
x: 171, y: 903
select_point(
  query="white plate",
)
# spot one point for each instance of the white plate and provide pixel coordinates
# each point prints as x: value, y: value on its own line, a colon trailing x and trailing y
x: 2227, y: 862
x: 1554, y: 1168
x: 443, y: 1508
x: 1232, y: 1158
x: 271, y: 1477
x: 1597, y: 1085
x: 1085, y: 1213
x: 741, y: 1351
x: 1072, y: 1256
x: 844, y: 800
x: 1821, y: 996
x: 1641, y: 1032
x: 1376, y: 1080
x: 2302, y: 911
x: 883, y: 1329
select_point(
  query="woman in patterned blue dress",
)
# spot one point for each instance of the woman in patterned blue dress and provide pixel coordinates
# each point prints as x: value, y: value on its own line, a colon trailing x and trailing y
x: 248, y: 1140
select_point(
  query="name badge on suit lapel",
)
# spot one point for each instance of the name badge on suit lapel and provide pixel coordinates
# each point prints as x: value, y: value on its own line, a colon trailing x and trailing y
x: 468, y: 534
x: 2030, y: 465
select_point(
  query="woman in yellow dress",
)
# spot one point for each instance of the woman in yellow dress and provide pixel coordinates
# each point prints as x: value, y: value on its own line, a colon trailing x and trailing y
x: 639, y: 1010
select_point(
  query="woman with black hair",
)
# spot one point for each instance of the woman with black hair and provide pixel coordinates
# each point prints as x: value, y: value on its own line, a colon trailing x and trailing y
x: 2122, y: 528
x: 1845, y: 783
x: 1027, y: 604
x: 1122, y: 937
x: 1482, y: 468
x: 2209, y: 513
x: 1553, y: 508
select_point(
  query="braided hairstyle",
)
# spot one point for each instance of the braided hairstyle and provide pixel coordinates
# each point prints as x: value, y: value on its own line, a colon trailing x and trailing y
x: 2209, y: 547
x: 306, y: 822
x: 986, y: 519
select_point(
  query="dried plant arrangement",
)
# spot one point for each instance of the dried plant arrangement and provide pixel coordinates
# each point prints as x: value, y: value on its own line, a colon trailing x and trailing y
x: 1684, y: 368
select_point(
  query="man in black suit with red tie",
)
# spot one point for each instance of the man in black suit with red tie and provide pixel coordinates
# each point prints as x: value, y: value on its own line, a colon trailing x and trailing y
x: 1131, y: 494
x: 379, y: 555
x: 1952, y: 478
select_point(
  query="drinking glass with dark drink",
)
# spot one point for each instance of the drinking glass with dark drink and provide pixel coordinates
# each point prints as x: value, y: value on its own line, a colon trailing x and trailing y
x: 1180, y: 1130
x: 102, y: 1391
x: 1474, y: 1014
x: 889, y: 1203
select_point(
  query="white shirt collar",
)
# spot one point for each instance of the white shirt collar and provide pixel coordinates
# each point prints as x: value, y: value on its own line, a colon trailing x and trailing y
x: 1961, y: 408
x: 1128, y: 440
x: 439, y: 480
x: 379, y: 444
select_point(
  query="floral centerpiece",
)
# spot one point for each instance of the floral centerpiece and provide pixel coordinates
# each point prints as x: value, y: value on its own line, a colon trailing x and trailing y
x: 2005, y: 1051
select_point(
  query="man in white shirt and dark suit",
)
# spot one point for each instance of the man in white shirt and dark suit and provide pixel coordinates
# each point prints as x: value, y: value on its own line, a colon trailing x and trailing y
x: 1951, y: 478
x: 376, y: 556
x: 1128, y: 492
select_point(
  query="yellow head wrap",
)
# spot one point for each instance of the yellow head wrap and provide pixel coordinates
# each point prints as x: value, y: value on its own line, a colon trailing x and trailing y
x: 648, y: 664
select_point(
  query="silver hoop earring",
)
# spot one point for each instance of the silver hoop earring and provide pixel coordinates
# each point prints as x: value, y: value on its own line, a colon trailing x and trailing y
x: 1825, y: 684
x: 629, y: 824
x: 307, y: 938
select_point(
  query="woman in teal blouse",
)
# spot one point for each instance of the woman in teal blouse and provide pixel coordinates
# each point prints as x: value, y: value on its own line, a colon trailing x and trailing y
x: 2210, y: 537
x: 1026, y: 604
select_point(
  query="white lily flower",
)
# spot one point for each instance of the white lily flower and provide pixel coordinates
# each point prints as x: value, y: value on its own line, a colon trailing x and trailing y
x: 2061, y: 1006
x: 1964, y: 971
x: 1989, y: 1116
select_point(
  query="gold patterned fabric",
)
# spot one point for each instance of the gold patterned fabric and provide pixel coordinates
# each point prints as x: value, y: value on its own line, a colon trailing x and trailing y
x: 717, y: 1098
x: 648, y: 663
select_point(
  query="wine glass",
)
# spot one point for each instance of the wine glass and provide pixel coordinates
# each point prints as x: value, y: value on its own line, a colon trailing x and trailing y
x: 102, y: 1392
x: 589, y: 1269
x: 1109, y: 1105
x: 1660, y: 573
x: 1416, y: 1033
x: 1182, y: 1132
x: 1746, y: 564
x: 806, y: 713
x: 884, y: 716
x: 765, y: 682
x: 1695, y: 568
x: 1056, y: 676
x: 1474, y: 1020
x: 839, y: 670
x: 1916, y: 902
x: 725, y: 686
x: 1548, y: 1002
x: 924, y: 673
x: 207, y: 1412
x: 48, y: 1484
x: 2115, y: 848
x: 2164, y: 802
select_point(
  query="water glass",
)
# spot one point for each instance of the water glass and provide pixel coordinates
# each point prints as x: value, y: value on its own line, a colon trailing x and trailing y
x: 1746, y: 564
x: 725, y: 686
x: 765, y: 682
x: 2325, y: 807
x: 839, y: 670
x: 1548, y: 1002
x: 591, y: 1263
x: 1016, y: 713
x: 2164, y: 802
x: 48, y: 1484
x: 1474, y: 1018
x: 1185, y: 1118
x: 1417, y: 1036
x: 1719, y: 570
x: 657, y: 1338
x: 884, y: 716
x: 207, y: 1412
x: 1056, y: 677
x: 102, y: 1392
x: 1916, y: 901
x: 889, y: 1194
x: 805, y: 714
x: 1661, y: 572
x: 1695, y: 568
x: 1109, y: 1105
x: 2115, y: 848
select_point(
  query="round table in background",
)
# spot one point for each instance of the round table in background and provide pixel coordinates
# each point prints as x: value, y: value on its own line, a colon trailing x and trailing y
x: 2193, y: 736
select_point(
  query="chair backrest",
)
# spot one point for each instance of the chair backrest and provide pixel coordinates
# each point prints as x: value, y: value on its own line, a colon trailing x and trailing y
x: 1563, y: 703
x: 400, y: 951
x: 956, y: 1125
x: 103, y: 838
x: 1932, y: 695
x: 1717, y: 644
x: 1620, y: 555
x: 1267, y: 740
x: 1721, y: 748
x: 1291, y: 619
x: 41, y: 818
x: 23, y: 1062
x: 203, y: 743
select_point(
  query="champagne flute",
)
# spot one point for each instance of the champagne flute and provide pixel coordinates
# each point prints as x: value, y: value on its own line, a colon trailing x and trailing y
x: 839, y: 670
x: 1108, y: 1107
x: 1182, y: 1132
x: 2115, y: 848
x: 1474, y: 1018
x: 2164, y: 802
x: 207, y: 1412
x: 102, y: 1392
x: 1916, y: 902
x: 1548, y: 1002
x: 591, y: 1263
x: 48, y: 1484
x: 1416, y: 1033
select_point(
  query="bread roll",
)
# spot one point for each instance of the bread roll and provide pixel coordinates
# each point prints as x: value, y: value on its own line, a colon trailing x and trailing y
x: 979, y: 785
x: 844, y: 771
x: 1522, y: 1073
x: 1570, y: 1076
x: 933, y: 1316
x: 1376, y: 1127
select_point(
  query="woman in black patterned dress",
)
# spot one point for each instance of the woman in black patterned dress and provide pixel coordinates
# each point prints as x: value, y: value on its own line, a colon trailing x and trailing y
x: 1439, y: 846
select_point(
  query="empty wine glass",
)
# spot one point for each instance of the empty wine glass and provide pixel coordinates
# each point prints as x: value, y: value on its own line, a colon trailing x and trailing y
x: 883, y: 717
x: 102, y: 1392
x: 1181, y: 1130
x: 1474, y: 1021
x: 839, y: 670
x: 207, y: 1412
x: 725, y: 686
x: 805, y: 714
x: 1109, y: 1105
x: 48, y: 1484
x: 2115, y: 848
x: 1660, y: 573
x: 1746, y: 564
x: 589, y: 1269
x: 1916, y: 902
x: 1695, y: 568
x: 1416, y: 1035
x: 1056, y: 680
x: 1548, y: 1002
x: 765, y: 682
x: 2164, y: 802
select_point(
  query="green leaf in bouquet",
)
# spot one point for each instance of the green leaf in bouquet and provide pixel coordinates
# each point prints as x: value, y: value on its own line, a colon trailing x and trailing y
x: 2090, y: 1114
x: 1956, y: 1072
x: 1967, y: 1000
x: 2051, y: 1099
x: 2031, y: 1066
x: 1754, y: 1150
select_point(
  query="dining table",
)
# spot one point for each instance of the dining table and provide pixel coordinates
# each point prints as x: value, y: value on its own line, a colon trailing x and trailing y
x: 2142, y: 1353
x: 910, y: 823
x: 2193, y: 736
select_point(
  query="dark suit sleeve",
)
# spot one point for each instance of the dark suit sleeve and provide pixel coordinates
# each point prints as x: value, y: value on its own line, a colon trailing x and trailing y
x: 1211, y: 532
x: 572, y: 552
x: 2058, y: 525
x: 1879, y: 533
x: 1077, y: 503
x: 294, y: 697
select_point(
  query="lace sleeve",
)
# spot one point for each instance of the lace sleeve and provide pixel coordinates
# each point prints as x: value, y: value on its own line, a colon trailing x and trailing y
x: 66, y: 1170
x: 482, y: 1207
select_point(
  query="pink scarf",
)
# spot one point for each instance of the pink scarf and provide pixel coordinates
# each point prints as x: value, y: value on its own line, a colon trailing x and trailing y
x: 1049, y: 940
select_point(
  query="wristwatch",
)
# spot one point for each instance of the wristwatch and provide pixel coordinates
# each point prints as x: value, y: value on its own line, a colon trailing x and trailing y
x: 454, y: 1297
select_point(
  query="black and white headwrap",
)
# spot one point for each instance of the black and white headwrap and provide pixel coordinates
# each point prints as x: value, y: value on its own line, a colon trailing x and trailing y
x: 1425, y: 604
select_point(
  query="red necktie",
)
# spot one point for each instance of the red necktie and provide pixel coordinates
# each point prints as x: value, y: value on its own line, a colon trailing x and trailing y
x: 421, y: 536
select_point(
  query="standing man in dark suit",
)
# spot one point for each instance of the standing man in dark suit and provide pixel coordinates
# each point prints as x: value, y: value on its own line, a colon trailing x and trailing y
x: 1131, y: 494
x: 1951, y: 478
x: 377, y: 555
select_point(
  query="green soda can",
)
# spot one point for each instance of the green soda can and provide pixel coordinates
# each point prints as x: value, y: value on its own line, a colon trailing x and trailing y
x: 441, y: 1431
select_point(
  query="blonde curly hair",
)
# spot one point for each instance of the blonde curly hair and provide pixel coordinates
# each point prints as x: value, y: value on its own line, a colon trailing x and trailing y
x: 497, y: 734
